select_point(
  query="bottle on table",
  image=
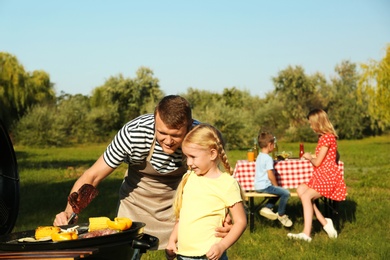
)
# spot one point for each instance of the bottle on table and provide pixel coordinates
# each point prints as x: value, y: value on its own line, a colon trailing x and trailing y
x: 276, y: 149
x: 251, y: 155
x: 301, y: 150
x: 255, y: 148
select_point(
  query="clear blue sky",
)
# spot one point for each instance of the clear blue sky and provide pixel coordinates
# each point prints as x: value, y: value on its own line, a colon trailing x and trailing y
x: 208, y: 45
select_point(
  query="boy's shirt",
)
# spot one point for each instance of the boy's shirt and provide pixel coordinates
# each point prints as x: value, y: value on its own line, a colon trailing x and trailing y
x: 264, y: 163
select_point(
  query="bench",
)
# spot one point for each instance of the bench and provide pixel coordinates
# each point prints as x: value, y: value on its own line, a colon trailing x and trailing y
x: 253, y: 209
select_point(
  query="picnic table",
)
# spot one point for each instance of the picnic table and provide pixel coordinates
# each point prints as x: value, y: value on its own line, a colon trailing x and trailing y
x: 289, y: 173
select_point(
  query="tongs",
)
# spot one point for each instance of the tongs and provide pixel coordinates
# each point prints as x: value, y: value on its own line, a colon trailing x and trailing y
x: 80, y: 200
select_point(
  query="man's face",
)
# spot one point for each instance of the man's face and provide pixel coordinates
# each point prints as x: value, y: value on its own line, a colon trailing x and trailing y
x: 169, y: 139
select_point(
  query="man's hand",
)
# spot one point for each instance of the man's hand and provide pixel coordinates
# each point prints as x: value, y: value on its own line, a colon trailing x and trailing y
x: 62, y: 218
x: 227, y: 225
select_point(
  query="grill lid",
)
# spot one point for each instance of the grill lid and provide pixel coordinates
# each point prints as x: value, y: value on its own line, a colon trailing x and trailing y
x: 9, y: 183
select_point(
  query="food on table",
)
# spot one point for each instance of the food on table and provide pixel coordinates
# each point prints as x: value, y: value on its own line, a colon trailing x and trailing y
x: 283, y: 155
x: 45, y: 231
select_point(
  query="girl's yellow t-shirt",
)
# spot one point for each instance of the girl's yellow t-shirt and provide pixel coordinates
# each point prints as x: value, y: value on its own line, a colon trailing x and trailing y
x: 204, y: 206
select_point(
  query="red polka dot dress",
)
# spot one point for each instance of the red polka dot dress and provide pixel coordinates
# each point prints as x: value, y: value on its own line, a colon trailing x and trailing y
x: 327, y: 178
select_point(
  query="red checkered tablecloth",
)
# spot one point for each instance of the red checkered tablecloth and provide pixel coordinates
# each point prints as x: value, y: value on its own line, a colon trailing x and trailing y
x: 289, y: 173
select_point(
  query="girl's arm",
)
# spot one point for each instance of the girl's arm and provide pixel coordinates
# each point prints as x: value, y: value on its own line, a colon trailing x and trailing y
x: 239, y: 218
x: 320, y: 157
x: 171, y: 249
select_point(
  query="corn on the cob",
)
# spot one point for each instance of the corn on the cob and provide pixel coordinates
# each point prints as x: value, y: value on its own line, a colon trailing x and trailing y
x: 98, y: 223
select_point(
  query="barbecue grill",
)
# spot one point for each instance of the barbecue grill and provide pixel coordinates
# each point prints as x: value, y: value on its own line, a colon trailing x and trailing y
x: 120, y: 245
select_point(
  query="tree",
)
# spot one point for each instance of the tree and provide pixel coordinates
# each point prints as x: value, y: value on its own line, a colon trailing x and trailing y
x: 346, y: 114
x: 231, y: 112
x: 20, y: 90
x: 268, y: 116
x: 131, y: 97
x: 11, y: 88
x: 298, y: 94
x: 374, y: 90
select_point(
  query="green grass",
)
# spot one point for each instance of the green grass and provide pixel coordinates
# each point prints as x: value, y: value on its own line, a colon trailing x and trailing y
x: 47, y: 175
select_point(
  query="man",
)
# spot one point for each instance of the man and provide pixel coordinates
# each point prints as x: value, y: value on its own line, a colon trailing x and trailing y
x: 151, y: 146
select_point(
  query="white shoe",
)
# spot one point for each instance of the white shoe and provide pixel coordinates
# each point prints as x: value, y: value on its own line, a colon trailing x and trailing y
x: 268, y: 213
x: 329, y: 228
x: 300, y: 236
x: 285, y: 220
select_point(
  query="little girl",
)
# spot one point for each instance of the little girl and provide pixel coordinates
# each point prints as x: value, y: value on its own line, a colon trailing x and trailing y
x: 203, y: 198
x: 327, y: 179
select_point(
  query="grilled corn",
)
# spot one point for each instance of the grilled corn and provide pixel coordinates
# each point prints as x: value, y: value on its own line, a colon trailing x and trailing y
x: 98, y: 223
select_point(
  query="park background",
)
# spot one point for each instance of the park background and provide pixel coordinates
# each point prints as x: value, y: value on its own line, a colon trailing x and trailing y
x: 58, y: 137
x: 356, y: 99
x: 65, y: 92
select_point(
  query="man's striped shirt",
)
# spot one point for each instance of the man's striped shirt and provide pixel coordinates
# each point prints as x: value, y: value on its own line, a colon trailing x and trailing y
x: 132, y: 145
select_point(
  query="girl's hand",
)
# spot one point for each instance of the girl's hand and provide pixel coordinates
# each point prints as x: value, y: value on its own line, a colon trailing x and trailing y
x: 215, y: 252
x: 170, y: 252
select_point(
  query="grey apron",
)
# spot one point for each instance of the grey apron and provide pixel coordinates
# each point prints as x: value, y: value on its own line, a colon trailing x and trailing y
x: 147, y: 196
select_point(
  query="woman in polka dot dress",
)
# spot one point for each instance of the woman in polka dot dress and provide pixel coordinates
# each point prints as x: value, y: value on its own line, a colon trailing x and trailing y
x: 326, y: 181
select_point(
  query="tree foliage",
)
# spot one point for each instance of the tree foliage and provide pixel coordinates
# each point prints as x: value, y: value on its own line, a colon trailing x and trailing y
x: 374, y: 90
x: 236, y: 113
x: 130, y: 97
x: 349, y: 117
x: 298, y: 93
x: 231, y: 112
x: 20, y: 90
x: 294, y: 96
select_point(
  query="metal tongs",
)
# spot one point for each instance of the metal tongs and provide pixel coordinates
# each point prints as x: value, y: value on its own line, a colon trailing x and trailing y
x: 80, y: 200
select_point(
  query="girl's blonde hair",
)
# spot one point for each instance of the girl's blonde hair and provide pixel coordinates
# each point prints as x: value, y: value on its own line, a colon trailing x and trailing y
x: 320, y: 122
x: 207, y: 137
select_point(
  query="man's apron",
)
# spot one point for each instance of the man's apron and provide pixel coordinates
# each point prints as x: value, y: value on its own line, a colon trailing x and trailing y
x: 147, y: 196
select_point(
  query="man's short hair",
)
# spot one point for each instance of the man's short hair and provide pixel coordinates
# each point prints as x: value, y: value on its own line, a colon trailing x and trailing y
x: 175, y: 111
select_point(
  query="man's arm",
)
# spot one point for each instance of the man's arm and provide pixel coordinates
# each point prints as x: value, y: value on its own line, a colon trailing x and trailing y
x: 94, y: 175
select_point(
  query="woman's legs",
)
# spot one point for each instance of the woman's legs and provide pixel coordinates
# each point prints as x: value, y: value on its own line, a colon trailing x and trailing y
x: 319, y: 215
x: 307, y: 196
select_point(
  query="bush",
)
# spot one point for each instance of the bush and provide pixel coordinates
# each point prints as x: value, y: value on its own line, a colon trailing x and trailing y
x: 300, y: 134
x: 40, y: 127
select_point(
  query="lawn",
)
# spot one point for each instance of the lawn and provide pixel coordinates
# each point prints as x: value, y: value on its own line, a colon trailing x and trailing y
x: 46, y: 176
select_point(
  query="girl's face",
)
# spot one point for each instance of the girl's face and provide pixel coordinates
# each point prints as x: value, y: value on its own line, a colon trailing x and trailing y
x: 199, y: 159
x: 312, y: 124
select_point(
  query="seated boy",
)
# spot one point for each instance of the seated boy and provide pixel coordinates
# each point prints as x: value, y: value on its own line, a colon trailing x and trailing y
x: 265, y: 181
